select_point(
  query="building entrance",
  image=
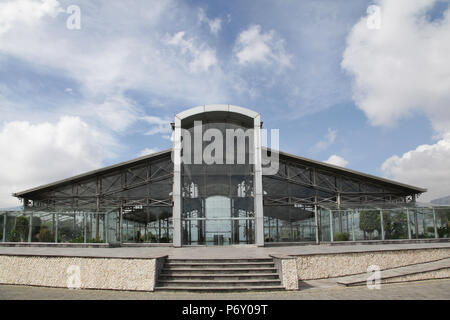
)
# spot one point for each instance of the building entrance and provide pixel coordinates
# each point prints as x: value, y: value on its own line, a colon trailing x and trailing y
x: 220, y: 225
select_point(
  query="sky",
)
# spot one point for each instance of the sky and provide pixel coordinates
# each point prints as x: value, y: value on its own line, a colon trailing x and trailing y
x: 359, y: 84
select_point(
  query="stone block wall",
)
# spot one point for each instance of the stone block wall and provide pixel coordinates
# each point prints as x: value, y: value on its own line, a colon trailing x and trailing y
x: 321, y: 266
x: 94, y: 273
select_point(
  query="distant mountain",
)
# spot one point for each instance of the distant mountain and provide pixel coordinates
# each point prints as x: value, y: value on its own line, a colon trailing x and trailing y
x: 443, y: 200
x: 19, y: 208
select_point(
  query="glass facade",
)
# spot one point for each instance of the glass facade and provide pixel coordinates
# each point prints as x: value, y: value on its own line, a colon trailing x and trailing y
x: 285, y: 224
x: 384, y: 224
x: 147, y: 225
x: 217, y: 198
x: 219, y: 220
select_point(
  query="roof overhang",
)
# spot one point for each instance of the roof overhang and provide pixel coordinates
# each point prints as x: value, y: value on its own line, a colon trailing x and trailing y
x: 93, y: 173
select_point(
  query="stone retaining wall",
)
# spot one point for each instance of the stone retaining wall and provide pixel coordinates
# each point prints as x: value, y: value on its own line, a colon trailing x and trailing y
x: 287, y: 270
x: 94, y: 273
x: 320, y: 266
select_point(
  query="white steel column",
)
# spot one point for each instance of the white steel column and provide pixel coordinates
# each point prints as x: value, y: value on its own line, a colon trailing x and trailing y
x: 258, y: 190
x: 316, y: 218
x: 176, y: 192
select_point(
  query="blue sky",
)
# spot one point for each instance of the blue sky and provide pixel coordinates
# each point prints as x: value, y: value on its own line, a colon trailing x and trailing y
x: 375, y: 100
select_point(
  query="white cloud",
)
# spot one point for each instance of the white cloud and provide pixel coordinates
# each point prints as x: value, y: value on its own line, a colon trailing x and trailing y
x: 107, y: 60
x: 427, y: 166
x: 252, y: 46
x: 35, y: 154
x: 202, y: 57
x: 148, y: 151
x: 158, y: 125
x: 116, y: 113
x: 337, y: 161
x: 327, y: 140
x: 401, y: 68
x: 28, y: 12
x: 214, y: 24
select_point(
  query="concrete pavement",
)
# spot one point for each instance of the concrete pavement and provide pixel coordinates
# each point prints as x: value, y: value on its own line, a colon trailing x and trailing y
x: 313, y: 290
x: 243, y: 251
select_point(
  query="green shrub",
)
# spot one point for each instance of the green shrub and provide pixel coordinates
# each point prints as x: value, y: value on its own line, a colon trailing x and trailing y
x: 341, y: 236
x: 79, y: 239
x: 12, y: 236
x: 150, y: 237
x: 95, y: 240
x: 45, y: 235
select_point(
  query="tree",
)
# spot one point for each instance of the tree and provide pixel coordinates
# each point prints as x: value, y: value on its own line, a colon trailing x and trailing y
x: 443, y: 216
x: 22, y: 228
x: 369, y: 221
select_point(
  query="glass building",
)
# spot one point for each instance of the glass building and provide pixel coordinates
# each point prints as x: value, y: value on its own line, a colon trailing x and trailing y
x: 219, y: 186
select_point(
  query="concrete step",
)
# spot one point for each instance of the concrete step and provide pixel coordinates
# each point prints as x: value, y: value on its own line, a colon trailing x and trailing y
x: 219, y: 275
x: 218, y: 283
x: 237, y: 276
x: 218, y: 270
x: 228, y: 260
x: 220, y: 289
x: 174, y: 265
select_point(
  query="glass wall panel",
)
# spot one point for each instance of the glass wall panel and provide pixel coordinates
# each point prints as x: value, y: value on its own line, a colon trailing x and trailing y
x: 160, y: 231
x: 304, y: 230
x: 395, y: 224
x: 342, y: 225
x: 443, y: 222
x: 71, y: 227
x: 44, y: 224
x: 413, y: 225
x: 324, y: 222
x: 113, y: 226
x: 288, y: 224
x: 425, y: 223
x: 269, y: 229
x: 2, y: 224
x: 95, y: 225
x: 367, y: 225
x: 147, y: 224
x: 243, y: 231
x: 17, y: 226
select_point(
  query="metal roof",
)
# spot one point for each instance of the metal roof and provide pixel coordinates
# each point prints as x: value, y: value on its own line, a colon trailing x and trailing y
x: 93, y: 172
x: 352, y: 172
x: 165, y: 152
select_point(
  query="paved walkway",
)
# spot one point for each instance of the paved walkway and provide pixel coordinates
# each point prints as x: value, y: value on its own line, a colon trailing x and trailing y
x: 430, y: 289
x: 213, y: 252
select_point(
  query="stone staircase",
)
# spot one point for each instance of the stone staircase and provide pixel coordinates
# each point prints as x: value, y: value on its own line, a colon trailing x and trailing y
x: 218, y: 275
